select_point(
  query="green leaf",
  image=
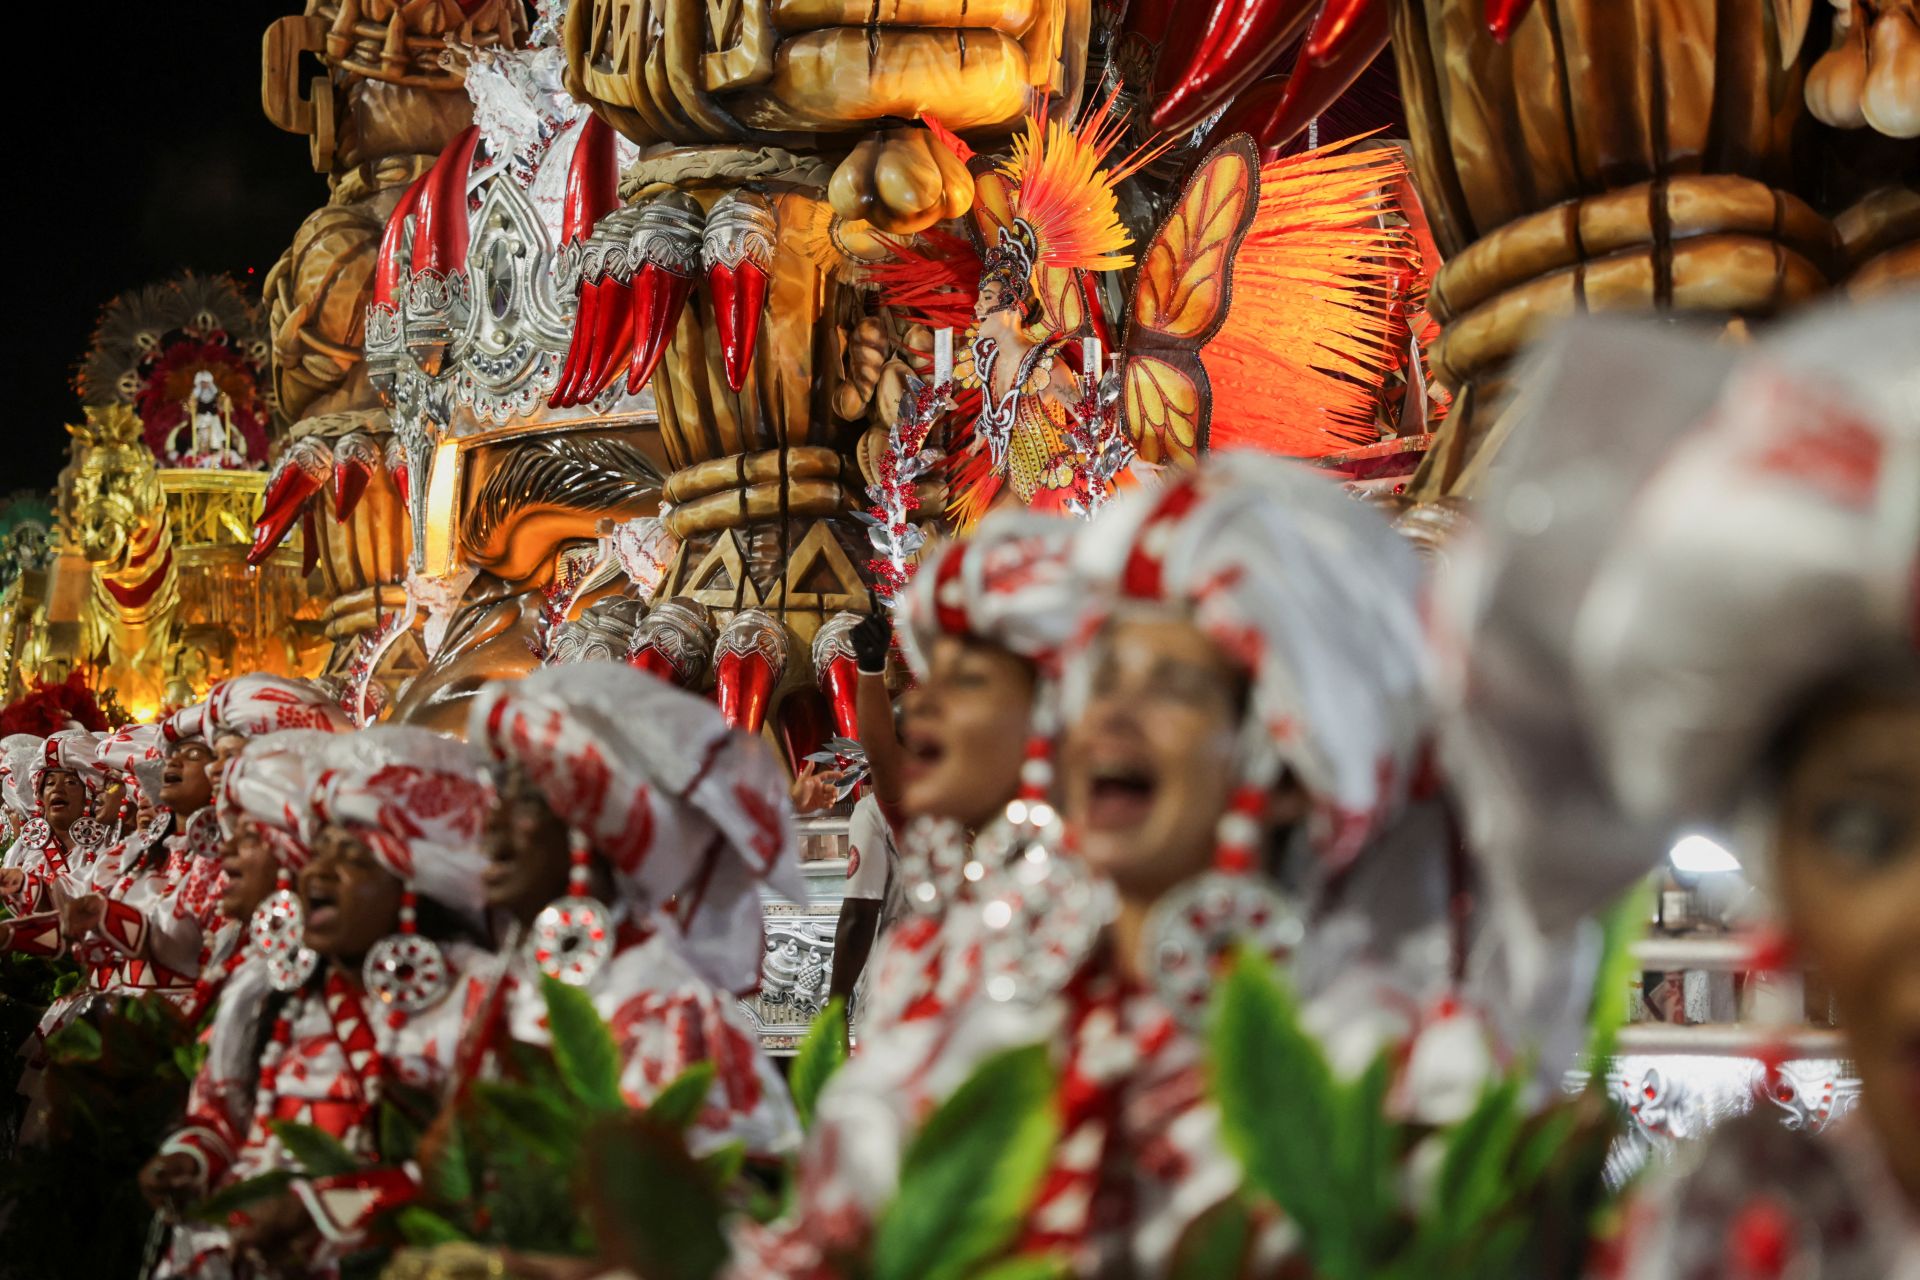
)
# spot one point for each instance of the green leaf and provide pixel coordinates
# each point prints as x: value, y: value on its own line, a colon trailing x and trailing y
x: 972, y: 1172
x: 217, y: 1207
x: 678, y: 1105
x: 423, y: 1227
x: 1255, y: 1041
x: 1543, y: 1146
x: 1479, y: 1152
x: 78, y: 1041
x: 821, y: 1053
x: 187, y: 1059
x: 1044, y: 1266
x: 583, y: 1047
x: 653, y: 1212
x: 1214, y: 1244
x: 445, y: 1173
x: 530, y: 1116
x: 1612, y: 1001
x: 318, y: 1152
x: 66, y: 984
x: 724, y: 1165
x: 399, y: 1134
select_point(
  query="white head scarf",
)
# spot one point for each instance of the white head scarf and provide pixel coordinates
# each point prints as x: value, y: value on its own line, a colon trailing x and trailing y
x: 1315, y: 597
x: 676, y: 802
x: 1681, y: 541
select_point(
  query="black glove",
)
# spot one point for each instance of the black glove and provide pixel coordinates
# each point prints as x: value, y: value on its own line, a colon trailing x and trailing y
x: 870, y: 639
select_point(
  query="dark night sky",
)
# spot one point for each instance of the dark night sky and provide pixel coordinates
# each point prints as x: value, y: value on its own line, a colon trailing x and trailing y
x: 136, y: 148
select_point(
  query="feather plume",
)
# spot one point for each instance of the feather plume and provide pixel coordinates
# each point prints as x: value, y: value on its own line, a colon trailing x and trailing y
x: 933, y: 279
x: 1065, y: 189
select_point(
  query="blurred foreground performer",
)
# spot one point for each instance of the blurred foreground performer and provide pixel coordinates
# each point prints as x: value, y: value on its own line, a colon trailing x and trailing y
x: 981, y: 627
x: 1696, y: 603
x: 1248, y: 689
x: 631, y: 836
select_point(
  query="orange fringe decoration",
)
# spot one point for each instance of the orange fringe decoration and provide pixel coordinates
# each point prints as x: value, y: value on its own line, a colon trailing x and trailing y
x: 1305, y: 348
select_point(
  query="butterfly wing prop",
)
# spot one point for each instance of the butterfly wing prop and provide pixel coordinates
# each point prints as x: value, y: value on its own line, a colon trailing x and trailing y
x: 1298, y: 365
x: 1181, y: 297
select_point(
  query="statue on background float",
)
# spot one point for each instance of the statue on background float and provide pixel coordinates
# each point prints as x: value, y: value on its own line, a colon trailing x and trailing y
x: 211, y: 440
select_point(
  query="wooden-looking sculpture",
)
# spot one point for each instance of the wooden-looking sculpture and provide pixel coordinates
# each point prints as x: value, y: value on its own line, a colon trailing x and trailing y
x: 375, y: 121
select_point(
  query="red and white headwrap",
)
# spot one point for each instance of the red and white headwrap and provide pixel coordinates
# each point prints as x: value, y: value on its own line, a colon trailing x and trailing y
x: 1682, y: 542
x: 17, y: 752
x: 71, y: 750
x: 1313, y: 595
x: 269, y: 785
x: 1009, y: 583
x: 188, y: 723
x: 418, y: 800
x: 676, y: 803
x: 137, y: 749
x: 258, y: 703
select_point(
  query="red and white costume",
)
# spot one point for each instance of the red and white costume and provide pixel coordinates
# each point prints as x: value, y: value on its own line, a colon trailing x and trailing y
x: 267, y: 786
x: 691, y: 819
x: 1009, y: 584
x: 1316, y: 598
x: 331, y: 1049
x: 1625, y: 639
x: 44, y: 857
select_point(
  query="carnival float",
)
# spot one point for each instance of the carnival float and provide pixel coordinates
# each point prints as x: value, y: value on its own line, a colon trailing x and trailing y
x: 649, y: 357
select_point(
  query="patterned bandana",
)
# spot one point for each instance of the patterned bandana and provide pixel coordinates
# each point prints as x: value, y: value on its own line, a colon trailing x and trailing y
x: 419, y: 802
x: 138, y: 749
x: 1007, y: 584
x: 677, y: 803
x: 268, y: 785
x: 1313, y: 596
x: 1633, y: 622
x: 73, y: 750
x: 17, y: 752
x: 251, y: 705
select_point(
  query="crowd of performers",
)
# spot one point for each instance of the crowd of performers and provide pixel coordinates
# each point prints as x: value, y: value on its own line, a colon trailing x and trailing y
x: 1236, y: 710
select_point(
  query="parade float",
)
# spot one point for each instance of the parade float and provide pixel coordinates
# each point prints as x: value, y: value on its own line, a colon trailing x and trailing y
x: 679, y: 341
x: 141, y: 584
x: 669, y: 333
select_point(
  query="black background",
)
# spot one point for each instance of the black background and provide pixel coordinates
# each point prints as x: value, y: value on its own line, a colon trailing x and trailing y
x: 135, y: 147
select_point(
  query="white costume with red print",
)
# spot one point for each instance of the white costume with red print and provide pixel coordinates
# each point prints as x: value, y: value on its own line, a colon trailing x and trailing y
x: 1626, y: 638
x: 1316, y: 599
x: 679, y: 807
x: 267, y: 786
x: 1138, y: 1160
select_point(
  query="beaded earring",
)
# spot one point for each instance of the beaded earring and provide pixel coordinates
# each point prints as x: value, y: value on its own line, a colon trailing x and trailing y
x: 276, y: 932
x: 1040, y: 912
x: 1195, y: 928
x: 572, y: 937
x: 404, y: 970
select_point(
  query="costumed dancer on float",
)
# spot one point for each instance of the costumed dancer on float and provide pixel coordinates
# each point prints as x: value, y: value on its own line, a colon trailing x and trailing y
x: 633, y: 834
x: 265, y: 811
x: 1254, y: 667
x: 1694, y: 604
x: 1256, y: 315
x: 389, y: 903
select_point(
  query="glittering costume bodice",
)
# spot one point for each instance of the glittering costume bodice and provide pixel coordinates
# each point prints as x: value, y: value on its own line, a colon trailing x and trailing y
x: 1026, y: 425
